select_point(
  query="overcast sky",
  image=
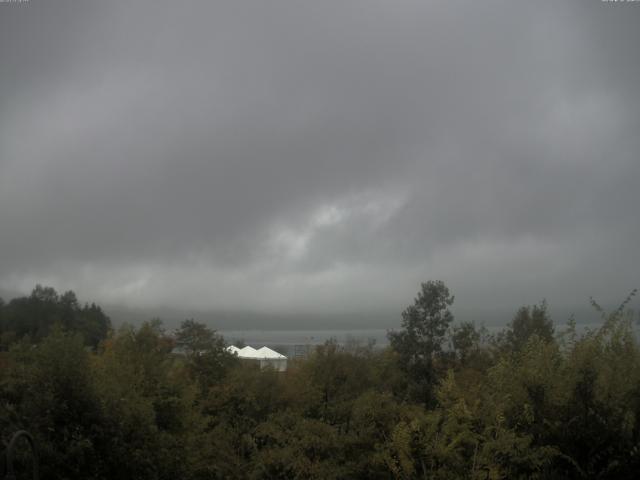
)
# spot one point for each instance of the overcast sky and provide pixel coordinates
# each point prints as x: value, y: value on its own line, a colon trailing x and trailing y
x: 320, y: 156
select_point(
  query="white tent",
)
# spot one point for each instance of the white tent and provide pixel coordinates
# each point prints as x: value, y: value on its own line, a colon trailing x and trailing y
x: 247, y: 352
x: 264, y: 356
x: 266, y: 352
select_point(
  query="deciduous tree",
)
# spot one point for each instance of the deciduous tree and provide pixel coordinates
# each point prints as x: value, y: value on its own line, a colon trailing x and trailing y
x: 424, y: 327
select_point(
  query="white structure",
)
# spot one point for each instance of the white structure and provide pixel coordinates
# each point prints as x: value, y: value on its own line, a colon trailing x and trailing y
x: 264, y: 356
x: 233, y: 349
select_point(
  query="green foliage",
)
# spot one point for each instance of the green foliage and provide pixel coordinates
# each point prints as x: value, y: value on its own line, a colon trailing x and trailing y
x: 48, y: 390
x: 35, y: 316
x: 528, y: 406
x: 293, y: 447
x: 420, y: 342
x: 529, y: 321
x: 339, y: 376
x: 467, y: 342
x: 205, y: 352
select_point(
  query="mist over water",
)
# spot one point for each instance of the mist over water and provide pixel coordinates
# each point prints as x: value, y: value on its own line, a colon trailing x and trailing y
x: 377, y: 337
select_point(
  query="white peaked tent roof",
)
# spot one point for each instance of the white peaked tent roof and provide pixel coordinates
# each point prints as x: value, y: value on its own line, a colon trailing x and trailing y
x: 247, y: 352
x: 266, y: 352
x: 250, y: 352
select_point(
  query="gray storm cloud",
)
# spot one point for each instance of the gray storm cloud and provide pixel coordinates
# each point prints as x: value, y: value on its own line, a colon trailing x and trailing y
x: 320, y: 156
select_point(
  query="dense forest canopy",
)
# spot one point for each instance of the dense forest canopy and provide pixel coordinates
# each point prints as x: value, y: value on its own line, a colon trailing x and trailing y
x: 445, y: 400
x: 32, y: 317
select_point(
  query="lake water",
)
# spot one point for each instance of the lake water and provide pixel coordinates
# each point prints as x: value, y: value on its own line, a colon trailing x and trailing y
x: 294, y: 343
x: 287, y: 340
x: 303, y: 337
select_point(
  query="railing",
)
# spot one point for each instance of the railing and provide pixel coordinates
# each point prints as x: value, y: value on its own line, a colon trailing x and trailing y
x: 10, y: 455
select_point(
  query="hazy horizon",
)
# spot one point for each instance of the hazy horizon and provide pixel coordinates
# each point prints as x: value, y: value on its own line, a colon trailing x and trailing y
x: 238, y: 320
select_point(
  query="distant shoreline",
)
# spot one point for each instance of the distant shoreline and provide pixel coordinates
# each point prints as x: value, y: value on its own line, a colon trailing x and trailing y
x: 291, y: 337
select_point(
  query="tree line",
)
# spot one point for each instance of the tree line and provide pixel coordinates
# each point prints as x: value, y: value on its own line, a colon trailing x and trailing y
x: 444, y: 400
